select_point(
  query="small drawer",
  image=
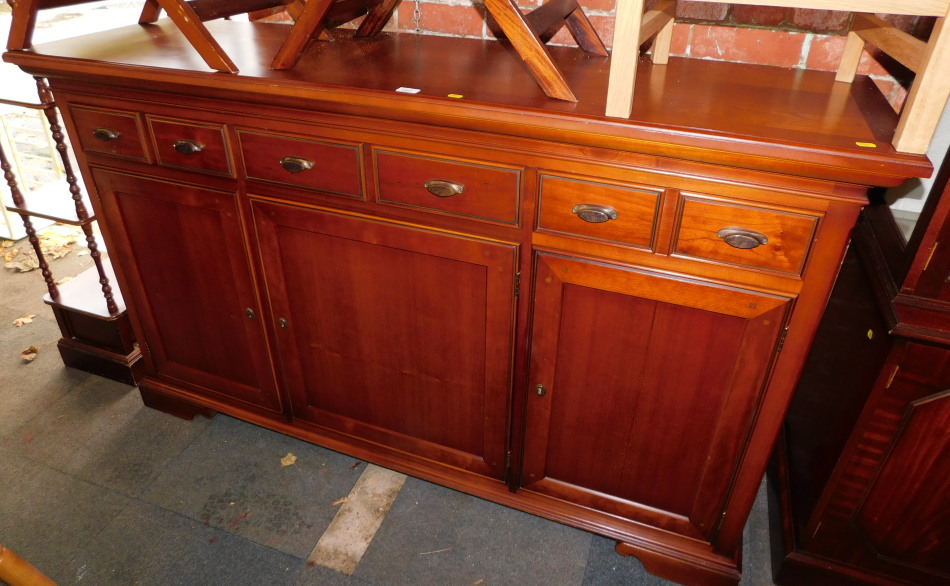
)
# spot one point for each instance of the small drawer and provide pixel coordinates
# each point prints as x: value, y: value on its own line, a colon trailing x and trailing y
x: 744, y: 235
x: 193, y: 146
x: 325, y: 166
x: 109, y: 132
x: 613, y: 213
x: 467, y: 189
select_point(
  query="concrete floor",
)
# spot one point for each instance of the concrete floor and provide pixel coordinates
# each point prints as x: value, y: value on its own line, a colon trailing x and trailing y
x: 97, y: 489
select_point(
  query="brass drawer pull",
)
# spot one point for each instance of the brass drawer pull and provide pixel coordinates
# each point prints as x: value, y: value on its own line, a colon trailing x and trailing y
x: 593, y: 213
x: 742, y: 238
x: 188, y: 147
x: 443, y: 188
x: 296, y: 164
x: 106, y: 134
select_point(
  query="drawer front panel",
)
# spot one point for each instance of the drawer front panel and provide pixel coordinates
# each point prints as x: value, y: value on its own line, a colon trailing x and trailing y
x: 462, y: 188
x: 109, y: 132
x: 624, y: 215
x: 744, y: 235
x: 193, y: 146
x: 324, y: 166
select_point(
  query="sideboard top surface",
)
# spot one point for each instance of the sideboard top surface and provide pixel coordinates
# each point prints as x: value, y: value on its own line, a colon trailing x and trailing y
x: 791, y: 121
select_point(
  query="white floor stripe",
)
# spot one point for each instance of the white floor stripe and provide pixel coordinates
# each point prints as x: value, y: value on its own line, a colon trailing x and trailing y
x: 346, y: 539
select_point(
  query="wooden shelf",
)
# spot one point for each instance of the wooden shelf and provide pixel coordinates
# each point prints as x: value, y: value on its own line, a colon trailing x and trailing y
x: 83, y: 294
x: 52, y: 202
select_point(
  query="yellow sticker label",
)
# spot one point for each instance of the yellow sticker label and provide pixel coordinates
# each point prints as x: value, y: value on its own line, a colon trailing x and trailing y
x: 455, y: 95
x: 870, y: 334
x: 867, y: 145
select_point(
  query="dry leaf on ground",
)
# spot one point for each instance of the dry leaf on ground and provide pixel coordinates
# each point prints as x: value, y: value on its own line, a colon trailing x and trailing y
x: 340, y: 501
x: 288, y: 460
x: 26, y: 318
x: 29, y: 354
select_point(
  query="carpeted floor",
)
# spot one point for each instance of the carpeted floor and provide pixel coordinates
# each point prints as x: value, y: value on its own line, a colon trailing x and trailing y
x: 97, y: 489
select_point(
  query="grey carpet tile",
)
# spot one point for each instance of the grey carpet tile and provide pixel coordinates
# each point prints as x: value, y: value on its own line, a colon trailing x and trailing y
x: 149, y: 545
x: 48, y: 517
x: 435, y: 535
x: 232, y: 478
x: 28, y: 388
x: 101, y: 432
x: 605, y: 567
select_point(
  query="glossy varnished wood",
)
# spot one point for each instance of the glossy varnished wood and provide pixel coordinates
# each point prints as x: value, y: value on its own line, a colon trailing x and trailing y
x: 361, y: 76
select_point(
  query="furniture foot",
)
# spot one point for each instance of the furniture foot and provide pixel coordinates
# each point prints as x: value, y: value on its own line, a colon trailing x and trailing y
x: 173, y: 405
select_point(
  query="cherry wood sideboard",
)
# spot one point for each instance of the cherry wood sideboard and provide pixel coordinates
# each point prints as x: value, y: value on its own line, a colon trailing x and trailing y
x: 595, y: 320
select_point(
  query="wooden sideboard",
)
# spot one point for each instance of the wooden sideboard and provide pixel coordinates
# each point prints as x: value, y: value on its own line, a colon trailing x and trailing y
x: 600, y: 321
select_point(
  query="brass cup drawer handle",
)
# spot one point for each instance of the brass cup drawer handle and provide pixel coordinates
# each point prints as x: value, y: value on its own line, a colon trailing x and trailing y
x: 593, y: 213
x: 106, y: 134
x: 742, y: 238
x: 296, y: 164
x: 443, y: 188
x: 188, y: 147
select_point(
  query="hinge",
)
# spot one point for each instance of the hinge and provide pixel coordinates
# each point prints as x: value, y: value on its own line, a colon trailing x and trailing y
x: 722, y: 519
x: 781, y: 340
x: 507, y: 462
x: 517, y: 284
x: 890, y: 380
x: 930, y: 257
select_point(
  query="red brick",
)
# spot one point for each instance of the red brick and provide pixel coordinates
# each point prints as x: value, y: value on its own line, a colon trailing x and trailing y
x: 462, y: 20
x: 761, y: 15
x: 904, y: 22
x: 604, y: 25
x: 820, y: 20
x: 874, y: 62
x: 680, y: 45
x: 563, y: 37
x: 825, y: 52
x: 894, y: 92
x: 708, y: 12
x: 598, y: 5
x: 747, y: 45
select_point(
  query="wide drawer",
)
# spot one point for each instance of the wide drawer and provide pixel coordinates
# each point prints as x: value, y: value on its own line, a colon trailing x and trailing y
x: 194, y: 146
x: 465, y: 188
x: 746, y: 235
x: 613, y: 213
x: 109, y: 132
x: 326, y: 166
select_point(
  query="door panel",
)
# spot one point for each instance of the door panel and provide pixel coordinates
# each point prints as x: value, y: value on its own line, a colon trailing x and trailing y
x: 395, y: 334
x: 679, y: 367
x: 197, y: 304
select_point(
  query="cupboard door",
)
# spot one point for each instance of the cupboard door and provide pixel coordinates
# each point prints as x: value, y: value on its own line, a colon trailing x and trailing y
x: 643, y: 387
x: 887, y: 510
x: 398, y: 335
x: 182, y: 251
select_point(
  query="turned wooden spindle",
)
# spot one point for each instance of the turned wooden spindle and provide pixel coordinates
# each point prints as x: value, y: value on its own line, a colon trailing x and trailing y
x: 46, y: 98
x: 28, y: 225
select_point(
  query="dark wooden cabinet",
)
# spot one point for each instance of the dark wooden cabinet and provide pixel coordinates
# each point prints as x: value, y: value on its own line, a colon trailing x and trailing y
x: 200, y: 314
x: 595, y: 320
x: 398, y: 335
x: 861, y: 473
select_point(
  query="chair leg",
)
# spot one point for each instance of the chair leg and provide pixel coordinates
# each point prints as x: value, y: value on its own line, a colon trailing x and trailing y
x: 16, y: 571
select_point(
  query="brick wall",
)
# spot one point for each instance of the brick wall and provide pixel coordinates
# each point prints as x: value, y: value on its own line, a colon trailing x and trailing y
x: 785, y: 37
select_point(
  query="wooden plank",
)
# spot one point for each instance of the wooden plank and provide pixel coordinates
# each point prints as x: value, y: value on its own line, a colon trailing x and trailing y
x: 916, y: 7
x: 23, y: 24
x: 584, y: 33
x: 623, y: 62
x: 850, y: 58
x: 659, y: 22
x: 151, y: 12
x: 190, y: 25
x: 530, y: 49
x: 377, y: 18
x: 905, y: 48
x: 309, y: 24
x: 212, y: 9
x: 543, y: 18
x: 928, y: 95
